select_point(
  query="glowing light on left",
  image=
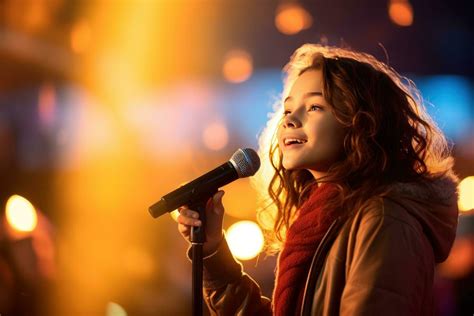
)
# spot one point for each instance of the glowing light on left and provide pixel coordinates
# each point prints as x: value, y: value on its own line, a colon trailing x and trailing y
x: 21, y: 214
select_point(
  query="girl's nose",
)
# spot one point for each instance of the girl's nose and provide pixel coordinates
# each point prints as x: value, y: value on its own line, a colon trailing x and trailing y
x: 290, y: 121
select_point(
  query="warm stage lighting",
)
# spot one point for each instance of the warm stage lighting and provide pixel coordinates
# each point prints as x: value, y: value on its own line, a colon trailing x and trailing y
x: 21, y: 214
x: 292, y: 18
x: 400, y: 12
x: 238, y: 66
x: 245, y: 240
x: 466, y: 194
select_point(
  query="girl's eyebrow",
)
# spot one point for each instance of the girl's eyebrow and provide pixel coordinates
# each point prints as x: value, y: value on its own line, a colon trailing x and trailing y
x: 306, y: 95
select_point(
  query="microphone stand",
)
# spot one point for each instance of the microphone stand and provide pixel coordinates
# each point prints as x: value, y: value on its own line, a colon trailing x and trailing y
x: 197, y: 238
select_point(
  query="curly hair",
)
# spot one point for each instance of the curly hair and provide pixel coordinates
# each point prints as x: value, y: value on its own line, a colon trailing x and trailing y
x: 389, y: 138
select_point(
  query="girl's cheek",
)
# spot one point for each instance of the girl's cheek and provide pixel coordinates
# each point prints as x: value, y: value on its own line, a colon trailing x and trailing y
x: 279, y: 130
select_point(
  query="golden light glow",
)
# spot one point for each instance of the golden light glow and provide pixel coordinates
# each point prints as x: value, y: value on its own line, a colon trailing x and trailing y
x: 401, y: 12
x: 292, y: 18
x: 245, y: 239
x: 133, y: 48
x: 466, y: 194
x: 80, y: 36
x: 21, y: 214
x: 215, y: 136
x: 238, y: 66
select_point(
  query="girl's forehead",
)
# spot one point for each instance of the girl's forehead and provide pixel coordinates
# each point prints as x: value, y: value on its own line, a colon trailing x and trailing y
x: 308, y: 82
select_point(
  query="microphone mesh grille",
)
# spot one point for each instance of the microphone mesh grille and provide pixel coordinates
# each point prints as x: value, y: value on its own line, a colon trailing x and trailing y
x: 246, y: 162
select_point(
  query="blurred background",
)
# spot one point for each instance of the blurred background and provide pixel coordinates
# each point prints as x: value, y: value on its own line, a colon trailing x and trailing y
x: 107, y: 105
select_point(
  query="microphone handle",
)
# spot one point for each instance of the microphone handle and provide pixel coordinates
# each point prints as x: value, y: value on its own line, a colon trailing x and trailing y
x: 192, y: 191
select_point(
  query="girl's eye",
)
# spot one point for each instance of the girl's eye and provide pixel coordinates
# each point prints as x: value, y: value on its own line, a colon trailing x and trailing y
x: 315, y: 107
x: 286, y: 112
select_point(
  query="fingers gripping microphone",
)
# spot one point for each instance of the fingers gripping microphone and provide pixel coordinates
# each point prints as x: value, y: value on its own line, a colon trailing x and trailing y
x: 242, y: 164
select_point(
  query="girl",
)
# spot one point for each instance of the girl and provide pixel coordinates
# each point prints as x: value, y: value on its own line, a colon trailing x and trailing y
x: 363, y: 197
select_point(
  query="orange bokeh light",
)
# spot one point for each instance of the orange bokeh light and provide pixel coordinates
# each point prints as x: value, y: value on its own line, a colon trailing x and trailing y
x: 401, y: 12
x: 215, y: 136
x: 292, y: 18
x: 238, y: 66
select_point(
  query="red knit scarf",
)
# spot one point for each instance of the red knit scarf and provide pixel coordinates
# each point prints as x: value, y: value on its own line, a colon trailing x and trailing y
x: 302, y: 239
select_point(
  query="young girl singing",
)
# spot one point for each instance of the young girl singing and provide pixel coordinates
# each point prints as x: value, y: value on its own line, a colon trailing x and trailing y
x: 363, y: 196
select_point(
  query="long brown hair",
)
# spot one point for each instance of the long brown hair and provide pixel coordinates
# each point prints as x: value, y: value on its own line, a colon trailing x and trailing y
x: 389, y: 137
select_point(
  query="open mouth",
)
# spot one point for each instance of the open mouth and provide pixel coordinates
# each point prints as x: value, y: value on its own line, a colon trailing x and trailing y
x: 294, y: 141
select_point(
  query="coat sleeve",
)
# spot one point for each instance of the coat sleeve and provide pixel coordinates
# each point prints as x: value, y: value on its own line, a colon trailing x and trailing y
x: 228, y: 290
x: 390, y: 268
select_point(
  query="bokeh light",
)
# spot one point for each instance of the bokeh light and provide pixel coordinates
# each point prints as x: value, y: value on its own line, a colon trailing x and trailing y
x: 21, y: 214
x: 466, y: 194
x: 292, y: 18
x: 400, y: 12
x: 245, y: 239
x: 215, y: 136
x: 460, y: 260
x: 238, y: 66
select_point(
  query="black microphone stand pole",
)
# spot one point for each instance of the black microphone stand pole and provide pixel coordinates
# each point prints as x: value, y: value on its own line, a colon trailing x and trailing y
x: 197, y: 238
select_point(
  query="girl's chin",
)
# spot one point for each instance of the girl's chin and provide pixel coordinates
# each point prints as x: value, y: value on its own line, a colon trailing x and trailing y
x: 292, y: 166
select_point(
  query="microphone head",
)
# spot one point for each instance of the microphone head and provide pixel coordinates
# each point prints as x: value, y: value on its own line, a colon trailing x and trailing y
x: 245, y: 161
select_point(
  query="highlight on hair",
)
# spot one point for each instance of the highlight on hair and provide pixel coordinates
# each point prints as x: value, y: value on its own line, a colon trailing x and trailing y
x: 389, y: 138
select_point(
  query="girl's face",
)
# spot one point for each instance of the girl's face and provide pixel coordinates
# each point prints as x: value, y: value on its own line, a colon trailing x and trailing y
x: 309, y: 136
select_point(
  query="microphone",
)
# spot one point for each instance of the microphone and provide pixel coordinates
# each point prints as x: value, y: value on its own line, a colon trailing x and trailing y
x: 243, y: 163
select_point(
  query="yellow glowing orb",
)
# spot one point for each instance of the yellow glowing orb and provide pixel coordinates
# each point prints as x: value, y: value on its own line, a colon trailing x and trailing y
x: 21, y: 214
x: 245, y: 239
x: 466, y: 194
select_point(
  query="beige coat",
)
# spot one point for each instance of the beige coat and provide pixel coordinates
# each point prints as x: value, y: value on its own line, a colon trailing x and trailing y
x: 380, y: 262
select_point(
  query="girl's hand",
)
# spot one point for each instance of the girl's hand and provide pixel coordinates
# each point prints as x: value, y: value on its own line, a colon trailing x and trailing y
x: 214, y: 214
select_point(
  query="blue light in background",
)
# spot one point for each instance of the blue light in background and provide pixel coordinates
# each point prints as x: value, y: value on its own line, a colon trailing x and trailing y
x: 450, y: 102
x: 247, y: 105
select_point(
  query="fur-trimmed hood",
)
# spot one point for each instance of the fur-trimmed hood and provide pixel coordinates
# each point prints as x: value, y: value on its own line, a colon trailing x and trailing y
x: 434, y: 205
